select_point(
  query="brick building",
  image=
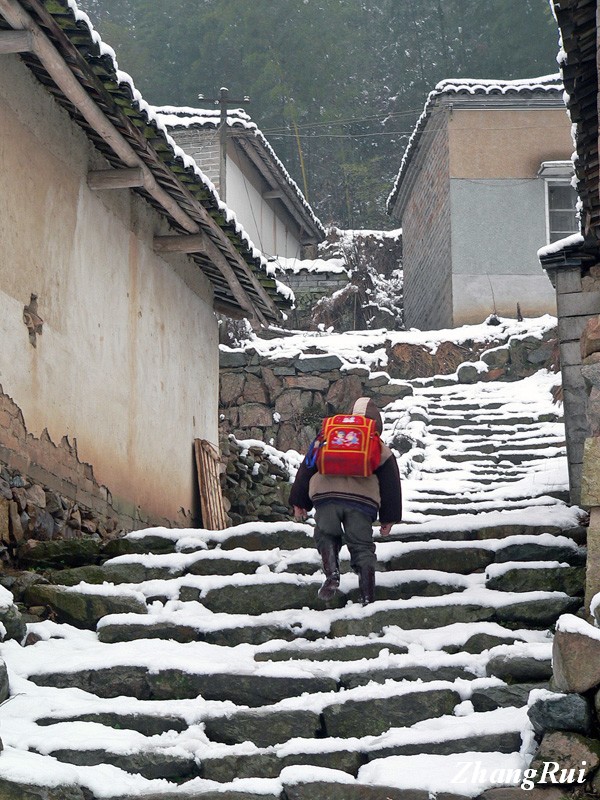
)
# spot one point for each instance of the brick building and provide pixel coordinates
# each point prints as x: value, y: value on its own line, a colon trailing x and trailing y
x: 483, y: 184
x: 258, y: 188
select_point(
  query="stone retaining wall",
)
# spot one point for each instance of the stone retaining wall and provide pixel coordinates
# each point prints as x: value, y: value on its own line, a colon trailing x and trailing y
x: 255, y: 483
x: 281, y: 401
x: 566, y: 721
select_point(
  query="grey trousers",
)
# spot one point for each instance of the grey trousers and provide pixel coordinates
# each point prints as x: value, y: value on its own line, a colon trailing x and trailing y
x: 337, y: 524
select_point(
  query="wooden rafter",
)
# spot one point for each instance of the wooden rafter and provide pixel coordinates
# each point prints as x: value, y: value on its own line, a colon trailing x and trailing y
x: 201, y: 244
x: 15, y: 42
x: 116, y: 178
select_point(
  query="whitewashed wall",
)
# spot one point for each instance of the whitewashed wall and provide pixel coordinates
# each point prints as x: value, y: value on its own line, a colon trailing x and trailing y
x: 128, y: 360
x: 267, y: 231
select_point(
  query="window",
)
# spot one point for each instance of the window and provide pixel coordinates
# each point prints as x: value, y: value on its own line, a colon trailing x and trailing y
x: 562, y: 219
x: 561, y: 200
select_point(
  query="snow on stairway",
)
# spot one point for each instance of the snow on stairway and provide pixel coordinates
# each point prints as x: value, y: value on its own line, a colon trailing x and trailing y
x: 458, y: 434
x: 232, y: 680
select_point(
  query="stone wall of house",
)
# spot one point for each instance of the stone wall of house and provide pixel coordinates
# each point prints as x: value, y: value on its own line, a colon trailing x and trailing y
x: 427, y: 241
x: 578, y: 304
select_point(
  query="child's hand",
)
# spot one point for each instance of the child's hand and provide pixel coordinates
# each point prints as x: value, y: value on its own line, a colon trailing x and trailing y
x: 386, y: 528
x: 300, y: 514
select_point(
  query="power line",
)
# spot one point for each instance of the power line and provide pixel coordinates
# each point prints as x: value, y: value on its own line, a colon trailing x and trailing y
x: 347, y: 120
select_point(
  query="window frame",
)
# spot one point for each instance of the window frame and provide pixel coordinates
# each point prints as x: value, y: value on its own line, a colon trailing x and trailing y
x: 556, y: 173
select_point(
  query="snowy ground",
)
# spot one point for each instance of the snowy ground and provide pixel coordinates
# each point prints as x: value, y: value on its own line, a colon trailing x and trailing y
x: 490, y: 469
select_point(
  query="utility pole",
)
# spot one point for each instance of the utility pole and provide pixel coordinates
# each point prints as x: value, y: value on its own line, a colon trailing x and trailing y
x: 223, y: 100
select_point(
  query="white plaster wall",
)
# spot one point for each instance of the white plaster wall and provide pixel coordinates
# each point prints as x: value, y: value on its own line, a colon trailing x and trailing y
x: 128, y: 361
x: 266, y: 230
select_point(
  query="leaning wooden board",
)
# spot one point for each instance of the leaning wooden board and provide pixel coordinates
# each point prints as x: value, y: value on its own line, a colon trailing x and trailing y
x: 214, y: 517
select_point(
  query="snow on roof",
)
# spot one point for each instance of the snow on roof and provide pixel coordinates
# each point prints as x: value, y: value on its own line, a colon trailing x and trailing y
x: 237, y: 118
x: 124, y: 80
x: 548, y: 84
x: 319, y: 265
x: 556, y: 247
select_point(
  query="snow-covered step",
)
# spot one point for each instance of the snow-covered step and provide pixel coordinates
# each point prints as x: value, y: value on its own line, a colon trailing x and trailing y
x: 262, y: 594
x: 495, y: 731
x: 232, y: 673
x: 533, y: 609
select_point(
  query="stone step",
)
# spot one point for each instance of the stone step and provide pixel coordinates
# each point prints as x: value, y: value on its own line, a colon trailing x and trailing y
x: 251, y: 690
x: 28, y: 789
x: 510, y: 456
x: 416, y: 534
x: 284, y: 535
x: 166, y: 763
x: 338, y: 651
x: 84, y: 608
x: 528, y: 611
x: 433, y: 508
x: 341, y: 718
x: 349, y: 755
x: 139, y: 568
x: 257, y: 596
x: 532, y: 612
x: 459, y: 422
x: 539, y: 430
x: 396, y: 552
x: 521, y: 577
x: 144, y: 723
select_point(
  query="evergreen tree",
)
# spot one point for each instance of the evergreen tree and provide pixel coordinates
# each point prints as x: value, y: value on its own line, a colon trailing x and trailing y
x: 335, y: 85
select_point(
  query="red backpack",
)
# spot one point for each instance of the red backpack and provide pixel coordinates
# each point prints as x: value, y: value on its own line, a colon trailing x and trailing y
x: 348, y: 444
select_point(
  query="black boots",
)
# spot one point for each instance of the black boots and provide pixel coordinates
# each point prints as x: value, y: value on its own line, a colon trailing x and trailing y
x: 331, y: 568
x: 366, y: 584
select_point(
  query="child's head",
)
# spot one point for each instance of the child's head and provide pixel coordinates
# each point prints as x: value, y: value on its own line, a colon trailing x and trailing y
x: 367, y: 408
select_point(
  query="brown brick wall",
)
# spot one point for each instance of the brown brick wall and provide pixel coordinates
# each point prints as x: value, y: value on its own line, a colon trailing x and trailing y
x: 56, y: 467
x: 427, y: 240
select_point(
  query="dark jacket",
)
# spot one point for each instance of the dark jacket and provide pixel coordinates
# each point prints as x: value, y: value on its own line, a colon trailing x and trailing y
x: 379, y: 493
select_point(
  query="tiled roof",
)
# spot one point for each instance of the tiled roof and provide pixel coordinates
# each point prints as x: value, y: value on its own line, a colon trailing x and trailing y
x: 579, y: 69
x: 239, y: 122
x: 93, y: 65
x: 549, y: 86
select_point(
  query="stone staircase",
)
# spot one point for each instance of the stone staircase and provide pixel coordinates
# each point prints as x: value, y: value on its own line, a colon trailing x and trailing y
x: 201, y: 664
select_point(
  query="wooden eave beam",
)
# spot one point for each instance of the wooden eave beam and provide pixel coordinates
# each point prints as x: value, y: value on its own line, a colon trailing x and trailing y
x: 59, y: 71
x: 116, y: 178
x: 15, y: 42
x: 194, y: 243
x: 201, y: 244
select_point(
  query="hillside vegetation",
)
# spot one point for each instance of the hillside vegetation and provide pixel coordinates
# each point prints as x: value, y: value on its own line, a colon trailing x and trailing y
x: 335, y: 85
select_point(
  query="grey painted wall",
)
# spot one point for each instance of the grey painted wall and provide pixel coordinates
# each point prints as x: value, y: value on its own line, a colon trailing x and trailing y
x: 497, y: 228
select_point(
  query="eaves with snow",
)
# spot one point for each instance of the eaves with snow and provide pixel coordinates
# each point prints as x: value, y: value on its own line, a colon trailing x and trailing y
x: 247, y: 138
x: 543, y: 92
x: 58, y: 43
x: 577, y: 58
